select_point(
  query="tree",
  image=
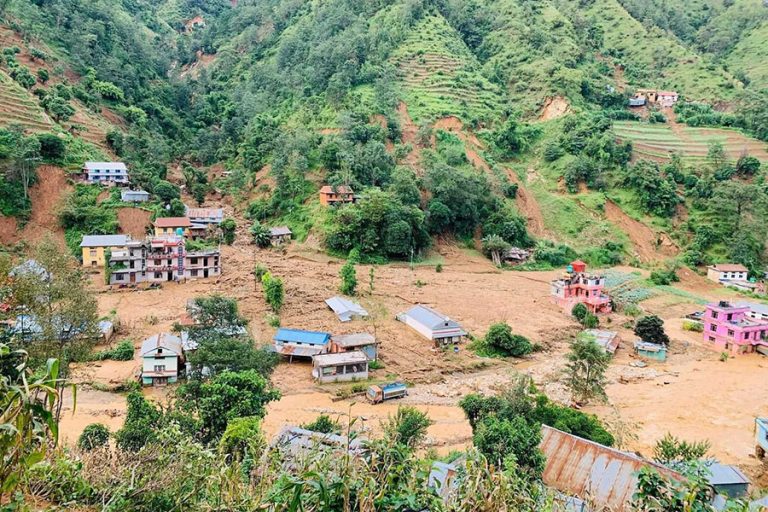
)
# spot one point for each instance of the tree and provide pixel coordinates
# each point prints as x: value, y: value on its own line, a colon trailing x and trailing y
x: 218, y: 353
x: 43, y: 76
x: 199, y: 190
x: 274, y: 292
x: 228, y: 395
x: 495, y: 246
x: 586, y: 369
x: 141, y: 421
x: 166, y: 191
x: 651, y: 329
x: 216, y: 313
x: 243, y: 438
x: 348, y: 278
x: 590, y: 321
x: 94, y: 436
x: 260, y: 235
x: 228, y: 227
x: 579, y: 312
x: 511, y: 441
x: 28, y: 424
x: 52, y: 147
x: 678, y: 454
x: 500, y: 336
x: 408, y: 427
x: 747, y: 166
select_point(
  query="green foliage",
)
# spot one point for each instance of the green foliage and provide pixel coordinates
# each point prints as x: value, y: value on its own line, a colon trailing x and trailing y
x: 408, y: 427
x: 274, y: 292
x: 93, y: 436
x: 579, y: 312
x: 141, y: 421
x: 511, y: 441
x: 228, y: 227
x: 590, y: 321
x: 123, y: 351
x: 500, y: 337
x: 52, y: 147
x: 324, y: 424
x: 348, y: 278
x: 587, y: 364
x: 260, y: 235
x: 676, y: 453
x: 514, y: 138
x: 219, y: 352
x: 28, y: 424
x: 664, y: 277
x: 651, y: 329
x: 228, y: 395
x: 243, y: 438
x: 657, y: 191
x: 693, y: 326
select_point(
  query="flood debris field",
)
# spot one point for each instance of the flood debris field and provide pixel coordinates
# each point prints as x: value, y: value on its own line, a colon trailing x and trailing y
x: 692, y: 395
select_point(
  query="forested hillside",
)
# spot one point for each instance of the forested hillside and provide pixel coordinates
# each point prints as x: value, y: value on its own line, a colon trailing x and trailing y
x: 479, y: 119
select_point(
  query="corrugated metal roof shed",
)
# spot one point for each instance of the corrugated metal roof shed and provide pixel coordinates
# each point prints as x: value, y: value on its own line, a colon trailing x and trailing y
x: 298, y: 351
x: 354, y: 357
x: 104, y: 241
x: 345, y: 309
x: 354, y: 340
x: 299, y: 336
x: 721, y: 474
x: 582, y: 468
x: 430, y: 318
x: 299, y: 441
x: 608, y: 340
x: 280, y: 231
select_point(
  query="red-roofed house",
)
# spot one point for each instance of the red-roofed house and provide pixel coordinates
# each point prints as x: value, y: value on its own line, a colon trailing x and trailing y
x: 336, y: 195
x: 169, y: 225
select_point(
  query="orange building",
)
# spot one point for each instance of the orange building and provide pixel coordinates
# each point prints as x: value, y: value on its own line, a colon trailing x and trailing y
x: 336, y: 195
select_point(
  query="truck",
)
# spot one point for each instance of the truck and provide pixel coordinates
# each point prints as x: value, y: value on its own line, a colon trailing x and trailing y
x: 378, y: 394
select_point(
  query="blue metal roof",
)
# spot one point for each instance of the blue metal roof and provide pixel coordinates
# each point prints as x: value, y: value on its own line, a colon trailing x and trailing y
x: 298, y: 336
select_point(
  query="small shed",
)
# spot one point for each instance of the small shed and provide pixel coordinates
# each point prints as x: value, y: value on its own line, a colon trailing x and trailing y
x: 432, y: 325
x: 340, y: 367
x: 727, y: 480
x: 106, y: 331
x: 637, y: 101
x: 578, y: 266
x: 651, y: 350
x: 298, y: 343
x: 761, y: 437
x: 297, y: 442
x: 134, y: 196
x: 515, y: 255
x: 280, y: 235
x: 608, y: 340
x: 363, y: 342
x: 345, y: 309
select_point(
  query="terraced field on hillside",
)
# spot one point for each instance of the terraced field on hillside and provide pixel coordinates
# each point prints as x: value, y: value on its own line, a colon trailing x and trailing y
x: 441, y: 77
x: 17, y: 106
x: 659, y: 141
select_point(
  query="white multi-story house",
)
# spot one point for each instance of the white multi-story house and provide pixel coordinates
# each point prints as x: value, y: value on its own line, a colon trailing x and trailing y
x: 161, y: 355
x: 106, y: 172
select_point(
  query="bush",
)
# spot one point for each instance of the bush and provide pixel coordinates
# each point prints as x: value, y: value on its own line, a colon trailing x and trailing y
x: 693, y: 326
x: 500, y: 337
x: 664, y: 277
x: 439, y: 268
x: 228, y: 227
x: 324, y: 424
x: 260, y: 235
x: 590, y: 321
x: 243, y: 437
x: 579, y: 312
x: 274, y: 292
x: 51, y: 146
x: 348, y: 279
x: 122, y: 352
x: 94, y: 436
x: 651, y: 329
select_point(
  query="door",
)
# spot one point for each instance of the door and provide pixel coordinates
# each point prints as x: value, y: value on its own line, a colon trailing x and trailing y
x: 205, y: 273
x: 133, y: 278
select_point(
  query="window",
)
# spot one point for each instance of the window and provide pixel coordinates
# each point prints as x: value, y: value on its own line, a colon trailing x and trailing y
x: 713, y: 327
x: 158, y: 275
x: 159, y: 368
x: 730, y: 333
x: 711, y: 338
x: 193, y: 273
x: 119, y: 277
x: 328, y: 370
x: 729, y: 317
x: 193, y: 261
x: 714, y: 314
x: 92, y: 253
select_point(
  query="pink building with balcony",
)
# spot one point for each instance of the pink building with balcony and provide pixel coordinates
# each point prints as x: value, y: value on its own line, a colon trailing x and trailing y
x: 734, y: 328
x: 579, y: 286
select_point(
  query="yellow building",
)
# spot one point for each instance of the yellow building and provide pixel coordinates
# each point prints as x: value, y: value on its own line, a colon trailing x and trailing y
x: 95, y: 247
x: 169, y: 225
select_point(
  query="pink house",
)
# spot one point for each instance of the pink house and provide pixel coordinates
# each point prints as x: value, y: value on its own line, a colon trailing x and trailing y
x: 578, y: 286
x: 734, y: 328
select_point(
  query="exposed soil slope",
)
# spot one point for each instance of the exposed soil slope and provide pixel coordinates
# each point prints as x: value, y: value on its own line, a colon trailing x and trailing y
x: 647, y: 244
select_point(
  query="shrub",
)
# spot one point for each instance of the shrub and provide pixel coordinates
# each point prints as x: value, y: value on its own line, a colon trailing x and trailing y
x: 500, y: 337
x: 651, y: 329
x: 693, y: 326
x: 324, y: 424
x: 242, y: 437
x: 579, y: 312
x: 228, y: 227
x: 590, y: 321
x: 664, y: 277
x: 348, y: 278
x: 122, y: 352
x: 274, y: 291
x: 439, y: 268
x: 94, y: 436
x: 260, y: 235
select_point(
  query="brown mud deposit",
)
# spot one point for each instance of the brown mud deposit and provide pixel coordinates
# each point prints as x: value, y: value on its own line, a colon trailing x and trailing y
x: 648, y: 245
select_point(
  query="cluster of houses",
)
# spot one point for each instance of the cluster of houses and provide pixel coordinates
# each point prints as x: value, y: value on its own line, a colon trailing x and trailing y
x: 576, y: 286
x: 643, y: 97
x: 154, y: 259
